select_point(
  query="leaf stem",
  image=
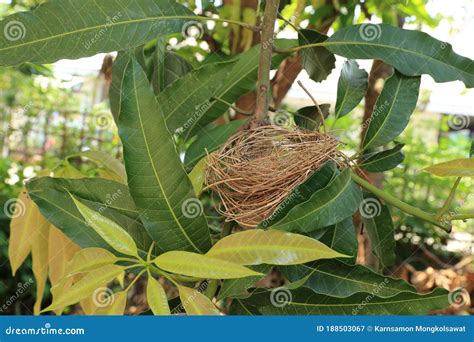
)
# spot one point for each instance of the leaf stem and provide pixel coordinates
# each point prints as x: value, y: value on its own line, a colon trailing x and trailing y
x: 399, y: 204
x: 449, y: 200
x: 300, y: 47
x: 241, y: 111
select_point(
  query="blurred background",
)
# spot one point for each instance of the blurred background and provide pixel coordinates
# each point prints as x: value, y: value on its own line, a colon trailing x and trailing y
x: 50, y: 113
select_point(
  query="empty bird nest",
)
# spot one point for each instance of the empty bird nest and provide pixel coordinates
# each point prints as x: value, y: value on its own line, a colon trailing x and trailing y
x: 257, y: 168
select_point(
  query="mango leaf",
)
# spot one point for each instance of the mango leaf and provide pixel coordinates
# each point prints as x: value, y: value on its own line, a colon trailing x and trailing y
x: 309, y: 117
x: 317, y: 61
x: 167, y: 68
x: 392, y: 110
x: 304, y: 301
x: 411, y: 52
x: 463, y: 167
x: 50, y: 33
x: 351, y: 88
x: 39, y: 255
x: 302, y: 193
x: 184, y: 101
x: 342, y: 238
x: 156, y: 297
x: 198, y: 175
x: 378, y: 224
x: 110, y: 231
x: 162, y: 191
x: 86, y: 286
x: 383, y: 161
x: 210, y: 140
x: 109, y: 198
x: 338, y: 200
x: 241, y: 80
x: 237, y: 288
x: 471, y: 150
x: 24, y: 214
x: 255, y: 247
x: 107, y: 161
x: 116, y: 307
x: 61, y: 250
x: 88, y: 259
x: 195, y: 303
x: 337, y: 279
x: 201, y: 266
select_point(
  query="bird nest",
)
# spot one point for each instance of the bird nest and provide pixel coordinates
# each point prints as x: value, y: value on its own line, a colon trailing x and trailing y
x: 258, y: 167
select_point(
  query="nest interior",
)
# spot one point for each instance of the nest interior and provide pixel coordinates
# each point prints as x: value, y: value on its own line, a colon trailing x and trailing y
x: 256, y: 169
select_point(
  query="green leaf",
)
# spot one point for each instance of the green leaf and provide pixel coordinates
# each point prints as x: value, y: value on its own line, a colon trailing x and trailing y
x: 338, y: 200
x: 237, y: 288
x: 158, y: 183
x: 302, y: 193
x: 383, y: 161
x: 186, y: 100
x: 351, y: 87
x: 210, y: 140
x: 337, y: 279
x: 88, y: 259
x: 411, y: 52
x: 317, y: 61
x: 167, y: 68
x: 304, y: 301
x: 255, y: 247
x: 198, y: 175
x: 201, y: 266
x: 342, y: 238
x: 86, y: 286
x: 378, y: 224
x: 195, y: 303
x: 471, y: 151
x: 156, y: 297
x: 69, y: 29
x: 109, y: 198
x: 392, y: 110
x: 309, y: 118
x: 110, y: 231
x: 463, y: 167
x: 107, y: 161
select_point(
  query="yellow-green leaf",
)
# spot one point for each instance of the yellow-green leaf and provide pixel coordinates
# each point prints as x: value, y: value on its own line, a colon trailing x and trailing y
x: 197, y: 175
x: 86, y: 286
x: 39, y: 255
x: 24, y: 214
x: 273, y: 247
x: 88, y: 259
x: 116, y: 307
x: 156, y: 296
x: 463, y: 167
x: 201, y: 266
x: 61, y: 249
x: 195, y: 303
x: 110, y: 231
